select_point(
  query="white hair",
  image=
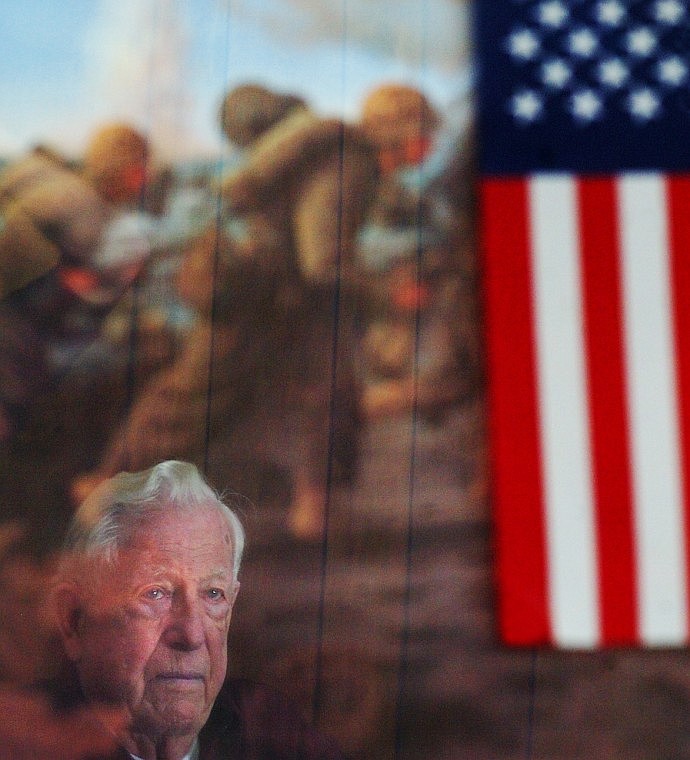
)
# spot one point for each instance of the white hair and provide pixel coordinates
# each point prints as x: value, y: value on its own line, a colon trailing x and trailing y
x: 105, y: 520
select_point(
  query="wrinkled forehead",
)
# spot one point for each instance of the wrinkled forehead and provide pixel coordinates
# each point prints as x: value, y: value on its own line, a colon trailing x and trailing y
x: 169, y: 535
x: 185, y: 527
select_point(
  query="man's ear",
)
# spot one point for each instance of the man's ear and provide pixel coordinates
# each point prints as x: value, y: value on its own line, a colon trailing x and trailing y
x: 67, y: 607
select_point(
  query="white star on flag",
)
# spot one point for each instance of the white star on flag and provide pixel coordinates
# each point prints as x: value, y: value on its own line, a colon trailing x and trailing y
x: 672, y: 71
x: 610, y: 12
x: 613, y: 73
x: 583, y: 42
x: 586, y: 105
x: 669, y: 11
x: 641, y: 42
x: 553, y: 13
x: 526, y: 105
x: 644, y: 104
x: 523, y: 44
x: 556, y: 73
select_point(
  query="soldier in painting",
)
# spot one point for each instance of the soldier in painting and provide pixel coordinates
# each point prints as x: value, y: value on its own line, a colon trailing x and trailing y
x: 267, y: 371
x: 68, y: 252
x: 417, y: 347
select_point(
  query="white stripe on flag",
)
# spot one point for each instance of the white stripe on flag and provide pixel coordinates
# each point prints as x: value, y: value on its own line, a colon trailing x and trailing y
x: 653, y: 409
x: 564, y: 412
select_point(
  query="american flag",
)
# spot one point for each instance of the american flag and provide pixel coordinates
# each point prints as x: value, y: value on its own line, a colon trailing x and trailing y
x: 584, y: 124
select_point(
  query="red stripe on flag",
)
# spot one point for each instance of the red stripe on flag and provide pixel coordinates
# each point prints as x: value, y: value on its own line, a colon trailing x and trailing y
x: 513, y: 415
x: 611, y: 469
x: 678, y: 191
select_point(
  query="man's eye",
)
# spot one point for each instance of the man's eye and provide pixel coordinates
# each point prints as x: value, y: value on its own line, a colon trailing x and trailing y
x: 215, y: 594
x: 155, y: 594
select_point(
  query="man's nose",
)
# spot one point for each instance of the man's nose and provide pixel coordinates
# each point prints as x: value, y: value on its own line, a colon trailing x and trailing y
x: 185, y: 629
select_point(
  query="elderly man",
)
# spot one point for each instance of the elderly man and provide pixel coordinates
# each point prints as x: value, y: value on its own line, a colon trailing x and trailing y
x: 144, y: 597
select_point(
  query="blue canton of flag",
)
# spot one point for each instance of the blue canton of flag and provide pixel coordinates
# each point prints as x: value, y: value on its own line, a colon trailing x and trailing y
x: 585, y: 85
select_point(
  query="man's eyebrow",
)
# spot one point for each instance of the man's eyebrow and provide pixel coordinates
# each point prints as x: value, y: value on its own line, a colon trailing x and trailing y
x: 158, y: 571
x: 223, y: 573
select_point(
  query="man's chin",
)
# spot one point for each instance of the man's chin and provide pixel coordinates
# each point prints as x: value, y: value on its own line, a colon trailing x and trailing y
x: 177, y: 712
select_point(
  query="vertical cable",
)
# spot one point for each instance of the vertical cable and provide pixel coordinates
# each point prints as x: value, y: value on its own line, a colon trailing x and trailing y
x: 137, y: 286
x: 334, y: 390
x: 218, y: 223
x: 404, y: 664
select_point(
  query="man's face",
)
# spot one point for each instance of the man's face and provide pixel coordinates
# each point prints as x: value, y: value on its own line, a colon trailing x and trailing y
x: 151, y: 633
